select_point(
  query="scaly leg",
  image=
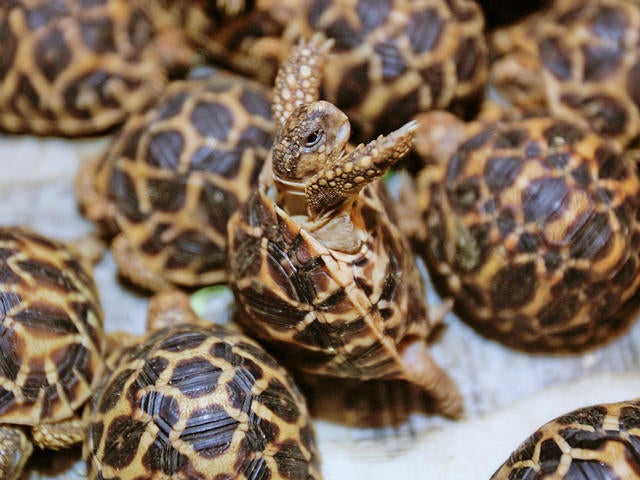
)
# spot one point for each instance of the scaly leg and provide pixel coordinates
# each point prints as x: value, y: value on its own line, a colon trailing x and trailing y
x: 347, y: 175
x: 15, y: 450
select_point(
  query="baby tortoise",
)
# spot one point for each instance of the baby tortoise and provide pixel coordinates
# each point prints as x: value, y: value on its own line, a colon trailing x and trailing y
x: 579, y: 60
x: 319, y: 269
x: 392, y: 58
x: 52, y: 344
x: 531, y: 225
x: 197, y: 401
x: 596, y: 442
x: 73, y: 67
x: 174, y: 174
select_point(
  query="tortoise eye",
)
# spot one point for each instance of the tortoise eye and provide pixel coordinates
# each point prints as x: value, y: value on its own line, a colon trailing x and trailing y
x: 312, y: 139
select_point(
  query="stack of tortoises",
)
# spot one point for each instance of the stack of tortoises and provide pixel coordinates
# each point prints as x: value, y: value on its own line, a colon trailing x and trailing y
x: 578, y: 59
x: 319, y: 269
x: 198, y: 401
x: 532, y: 225
x: 600, y: 441
x: 174, y: 174
x: 71, y: 67
x: 52, y: 345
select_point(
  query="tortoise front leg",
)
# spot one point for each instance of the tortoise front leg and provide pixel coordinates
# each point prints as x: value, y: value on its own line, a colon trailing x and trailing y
x: 59, y: 435
x: 15, y: 450
x: 348, y: 174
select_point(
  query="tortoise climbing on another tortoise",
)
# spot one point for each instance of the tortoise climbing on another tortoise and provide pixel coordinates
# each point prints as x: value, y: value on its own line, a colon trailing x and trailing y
x: 320, y: 271
x: 52, y: 345
x: 531, y: 226
x: 72, y: 67
x: 599, y: 441
x: 194, y: 401
x: 577, y: 59
x: 172, y: 176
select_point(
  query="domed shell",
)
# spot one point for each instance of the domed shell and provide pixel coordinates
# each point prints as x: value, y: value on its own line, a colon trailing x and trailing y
x: 51, y: 329
x: 532, y: 227
x: 76, y: 68
x: 199, y: 402
x: 174, y: 175
x: 598, y: 441
x: 578, y: 59
x: 393, y: 59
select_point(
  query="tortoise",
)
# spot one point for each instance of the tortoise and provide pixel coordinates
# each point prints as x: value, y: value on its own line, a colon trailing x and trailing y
x: 320, y: 272
x: 72, y: 67
x: 392, y: 58
x: 52, y: 345
x: 197, y: 400
x: 531, y: 226
x: 576, y: 59
x: 172, y: 176
x: 598, y: 441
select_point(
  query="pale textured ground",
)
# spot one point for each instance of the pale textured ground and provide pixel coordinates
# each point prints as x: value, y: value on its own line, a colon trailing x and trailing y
x: 508, y: 394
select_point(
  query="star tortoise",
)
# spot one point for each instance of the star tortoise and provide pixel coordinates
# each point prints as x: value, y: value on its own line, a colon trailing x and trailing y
x: 532, y: 226
x: 172, y: 176
x: 76, y: 67
x: 576, y: 59
x: 52, y: 344
x: 319, y: 269
x: 599, y: 441
x: 190, y: 401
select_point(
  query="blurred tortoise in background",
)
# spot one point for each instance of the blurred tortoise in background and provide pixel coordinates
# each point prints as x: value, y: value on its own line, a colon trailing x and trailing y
x: 320, y: 271
x: 197, y: 400
x: 576, y: 59
x: 173, y: 175
x: 392, y: 58
x: 531, y: 225
x: 52, y: 344
x: 599, y: 441
x: 71, y: 67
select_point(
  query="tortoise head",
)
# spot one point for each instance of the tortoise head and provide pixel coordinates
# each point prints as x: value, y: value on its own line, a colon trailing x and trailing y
x: 312, y: 137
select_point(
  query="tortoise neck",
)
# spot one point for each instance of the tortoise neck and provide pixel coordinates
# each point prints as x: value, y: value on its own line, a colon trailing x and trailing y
x: 291, y: 196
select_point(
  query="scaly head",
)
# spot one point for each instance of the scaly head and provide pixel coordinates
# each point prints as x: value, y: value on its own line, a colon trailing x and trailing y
x: 313, y: 136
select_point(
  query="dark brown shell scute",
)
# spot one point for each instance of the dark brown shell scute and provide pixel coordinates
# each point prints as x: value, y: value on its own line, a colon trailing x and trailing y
x: 213, y: 369
x: 579, y: 445
x: 530, y: 230
x: 67, y: 325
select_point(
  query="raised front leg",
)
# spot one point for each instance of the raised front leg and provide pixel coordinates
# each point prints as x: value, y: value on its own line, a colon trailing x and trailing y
x: 298, y: 80
x: 346, y: 175
x: 15, y: 450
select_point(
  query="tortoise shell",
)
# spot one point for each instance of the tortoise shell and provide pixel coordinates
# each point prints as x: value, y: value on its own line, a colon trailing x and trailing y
x: 52, y: 338
x: 599, y: 441
x: 175, y: 173
x: 394, y: 58
x: 71, y: 67
x: 196, y: 402
x: 333, y: 288
x: 579, y: 60
x: 532, y: 226
x: 391, y: 59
